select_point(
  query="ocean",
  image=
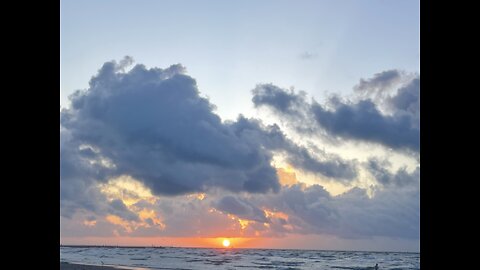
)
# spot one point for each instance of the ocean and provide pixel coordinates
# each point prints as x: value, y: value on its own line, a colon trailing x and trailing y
x: 218, y: 258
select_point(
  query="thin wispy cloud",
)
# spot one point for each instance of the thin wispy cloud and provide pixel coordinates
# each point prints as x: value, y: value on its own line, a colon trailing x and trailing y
x: 308, y: 55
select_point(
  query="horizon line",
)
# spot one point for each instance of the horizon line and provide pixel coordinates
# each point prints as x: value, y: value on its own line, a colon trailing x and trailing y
x: 160, y: 246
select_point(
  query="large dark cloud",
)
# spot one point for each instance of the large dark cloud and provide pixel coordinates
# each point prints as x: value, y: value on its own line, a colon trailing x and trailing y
x: 152, y: 124
x: 355, y: 120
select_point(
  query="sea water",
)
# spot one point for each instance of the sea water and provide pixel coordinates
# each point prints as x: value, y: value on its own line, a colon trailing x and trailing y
x: 233, y: 258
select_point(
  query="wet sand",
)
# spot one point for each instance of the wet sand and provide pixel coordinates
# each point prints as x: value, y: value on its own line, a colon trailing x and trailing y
x: 71, y: 266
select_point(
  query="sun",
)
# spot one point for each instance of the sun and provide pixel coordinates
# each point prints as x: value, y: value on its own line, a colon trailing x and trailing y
x: 226, y: 242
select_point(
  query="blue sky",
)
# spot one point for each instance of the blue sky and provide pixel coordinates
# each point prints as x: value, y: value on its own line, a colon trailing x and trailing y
x: 230, y: 46
x: 328, y: 148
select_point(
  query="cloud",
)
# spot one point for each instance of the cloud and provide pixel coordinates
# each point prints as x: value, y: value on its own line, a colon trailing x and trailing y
x: 360, y: 120
x: 284, y: 101
x: 380, y: 82
x: 391, y: 212
x: 401, y: 177
x: 153, y: 125
x: 125, y: 62
x: 296, y: 209
x: 272, y: 138
x: 308, y: 55
x: 121, y: 210
x: 363, y: 121
x: 241, y: 208
x: 407, y: 100
x: 77, y: 180
x: 286, y: 177
x: 138, y: 146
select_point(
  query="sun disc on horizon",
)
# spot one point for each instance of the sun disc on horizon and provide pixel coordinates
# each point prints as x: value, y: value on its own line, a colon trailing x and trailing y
x: 226, y: 243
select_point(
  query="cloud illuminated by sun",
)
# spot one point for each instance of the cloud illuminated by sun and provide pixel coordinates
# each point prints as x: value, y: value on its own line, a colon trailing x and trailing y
x: 89, y: 223
x: 131, y: 192
x: 287, y: 176
x: 127, y: 189
x: 119, y: 221
x: 198, y: 196
x: 275, y: 214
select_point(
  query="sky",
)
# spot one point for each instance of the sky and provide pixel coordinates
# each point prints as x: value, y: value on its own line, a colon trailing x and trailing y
x: 275, y: 124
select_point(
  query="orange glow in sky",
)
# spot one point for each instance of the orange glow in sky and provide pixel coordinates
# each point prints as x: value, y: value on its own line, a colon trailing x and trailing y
x: 203, y: 242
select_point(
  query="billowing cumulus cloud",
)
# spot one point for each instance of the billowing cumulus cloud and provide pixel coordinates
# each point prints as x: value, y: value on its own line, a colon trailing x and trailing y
x: 152, y: 124
x: 361, y: 120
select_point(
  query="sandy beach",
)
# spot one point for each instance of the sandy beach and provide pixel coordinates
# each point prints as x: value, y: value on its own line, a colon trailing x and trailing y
x: 71, y: 266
